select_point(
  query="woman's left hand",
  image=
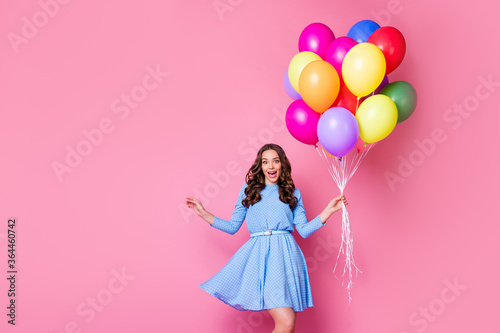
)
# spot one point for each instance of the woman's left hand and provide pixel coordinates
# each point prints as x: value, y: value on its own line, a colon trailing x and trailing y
x: 332, y: 207
x: 336, y: 203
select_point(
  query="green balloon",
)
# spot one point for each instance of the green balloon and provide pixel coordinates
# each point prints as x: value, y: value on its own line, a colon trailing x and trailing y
x: 404, y: 96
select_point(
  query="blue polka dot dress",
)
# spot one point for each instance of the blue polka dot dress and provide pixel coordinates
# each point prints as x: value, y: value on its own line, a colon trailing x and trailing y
x: 267, y: 271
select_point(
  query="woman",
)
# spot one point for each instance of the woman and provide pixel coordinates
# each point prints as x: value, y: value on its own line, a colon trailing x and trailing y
x: 269, y: 271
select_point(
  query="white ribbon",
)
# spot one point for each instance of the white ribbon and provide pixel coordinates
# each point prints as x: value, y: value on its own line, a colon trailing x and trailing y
x: 342, y: 169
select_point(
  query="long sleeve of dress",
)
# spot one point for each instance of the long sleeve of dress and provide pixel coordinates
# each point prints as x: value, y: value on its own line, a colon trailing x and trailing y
x: 234, y: 224
x: 304, y: 228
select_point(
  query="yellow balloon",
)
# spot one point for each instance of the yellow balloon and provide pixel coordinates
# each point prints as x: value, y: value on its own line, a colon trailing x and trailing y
x: 319, y: 85
x: 297, y: 64
x: 363, y: 68
x: 377, y: 116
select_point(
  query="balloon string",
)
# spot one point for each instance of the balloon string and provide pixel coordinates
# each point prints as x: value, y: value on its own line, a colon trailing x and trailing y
x: 333, y: 172
x: 342, y: 171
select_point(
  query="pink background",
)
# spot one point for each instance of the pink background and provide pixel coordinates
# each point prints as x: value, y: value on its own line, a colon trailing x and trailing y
x: 195, y: 131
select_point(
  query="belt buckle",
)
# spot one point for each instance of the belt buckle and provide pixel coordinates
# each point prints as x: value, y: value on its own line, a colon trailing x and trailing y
x: 268, y: 232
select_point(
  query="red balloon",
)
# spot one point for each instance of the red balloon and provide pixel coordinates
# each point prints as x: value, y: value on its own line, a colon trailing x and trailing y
x: 346, y: 99
x: 392, y: 44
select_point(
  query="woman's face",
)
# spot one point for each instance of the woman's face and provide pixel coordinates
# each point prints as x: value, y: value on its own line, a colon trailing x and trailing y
x: 271, y: 166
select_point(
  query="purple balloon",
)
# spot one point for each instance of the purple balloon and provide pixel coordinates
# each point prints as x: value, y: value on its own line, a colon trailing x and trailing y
x: 315, y: 38
x: 336, y: 52
x: 289, y: 89
x: 385, y: 81
x: 381, y: 86
x: 338, y: 131
x: 302, y: 122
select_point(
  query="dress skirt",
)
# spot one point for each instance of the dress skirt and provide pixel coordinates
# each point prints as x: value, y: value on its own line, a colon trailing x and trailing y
x: 265, y: 273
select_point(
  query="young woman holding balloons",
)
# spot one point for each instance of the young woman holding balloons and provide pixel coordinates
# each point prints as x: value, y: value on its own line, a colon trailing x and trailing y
x: 269, y: 271
x: 339, y: 100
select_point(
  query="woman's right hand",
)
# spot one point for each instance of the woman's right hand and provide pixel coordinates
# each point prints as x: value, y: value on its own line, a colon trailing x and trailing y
x: 196, y: 205
x: 198, y: 208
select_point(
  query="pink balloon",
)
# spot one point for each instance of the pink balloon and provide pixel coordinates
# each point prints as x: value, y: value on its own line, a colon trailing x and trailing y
x: 316, y: 37
x: 362, y: 146
x: 302, y: 122
x: 336, y: 52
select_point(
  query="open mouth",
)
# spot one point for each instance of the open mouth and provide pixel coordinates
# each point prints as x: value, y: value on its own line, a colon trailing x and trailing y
x: 272, y: 174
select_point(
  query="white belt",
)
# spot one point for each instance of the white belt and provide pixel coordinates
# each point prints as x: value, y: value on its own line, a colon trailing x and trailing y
x: 269, y: 233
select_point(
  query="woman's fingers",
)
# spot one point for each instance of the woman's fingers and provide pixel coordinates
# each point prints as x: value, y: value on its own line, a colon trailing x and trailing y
x: 194, y: 204
x: 191, y: 202
x: 339, y: 198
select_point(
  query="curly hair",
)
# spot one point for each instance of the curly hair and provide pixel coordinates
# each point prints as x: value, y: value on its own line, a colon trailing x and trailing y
x: 256, y: 180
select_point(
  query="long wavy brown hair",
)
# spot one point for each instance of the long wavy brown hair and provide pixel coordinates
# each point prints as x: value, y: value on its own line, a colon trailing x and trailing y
x: 256, y: 180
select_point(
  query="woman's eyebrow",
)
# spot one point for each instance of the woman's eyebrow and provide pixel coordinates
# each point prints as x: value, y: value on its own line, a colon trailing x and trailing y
x: 273, y: 158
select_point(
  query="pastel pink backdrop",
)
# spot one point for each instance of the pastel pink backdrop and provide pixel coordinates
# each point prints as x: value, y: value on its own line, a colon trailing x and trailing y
x: 109, y: 247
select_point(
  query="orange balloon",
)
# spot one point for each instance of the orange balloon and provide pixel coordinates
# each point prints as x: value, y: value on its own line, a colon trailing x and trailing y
x: 319, y: 85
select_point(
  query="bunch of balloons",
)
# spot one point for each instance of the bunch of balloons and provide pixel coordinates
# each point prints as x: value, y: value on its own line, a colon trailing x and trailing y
x: 343, y: 99
x: 342, y: 95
